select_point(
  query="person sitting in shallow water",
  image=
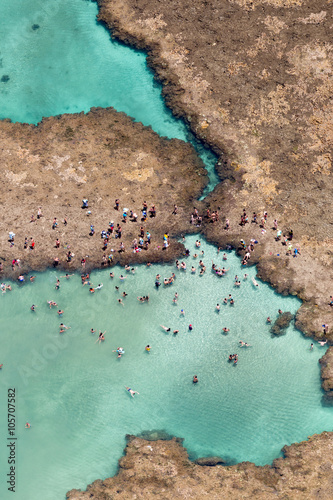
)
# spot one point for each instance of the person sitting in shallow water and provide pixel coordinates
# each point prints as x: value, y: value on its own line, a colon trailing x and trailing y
x: 195, y: 379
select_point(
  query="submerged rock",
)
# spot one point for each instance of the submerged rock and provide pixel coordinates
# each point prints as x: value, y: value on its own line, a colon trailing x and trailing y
x: 210, y: 461
x: 5, y: 78
x: 282, y: 323
x: 35, y: 27
x: 155, y: 435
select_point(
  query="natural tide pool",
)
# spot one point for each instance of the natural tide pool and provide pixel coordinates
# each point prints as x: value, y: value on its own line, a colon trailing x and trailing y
x: 72, y: 389
x: 56, y: 58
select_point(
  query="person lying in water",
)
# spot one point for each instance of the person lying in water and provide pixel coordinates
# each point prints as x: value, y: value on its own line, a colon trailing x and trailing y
x: 131, y: 391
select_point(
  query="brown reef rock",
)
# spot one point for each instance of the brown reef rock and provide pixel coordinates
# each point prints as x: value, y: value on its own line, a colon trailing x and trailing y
x: 161, y: 469
x: 101, y: 156
x: 281, y: 324
x: 327, y: 374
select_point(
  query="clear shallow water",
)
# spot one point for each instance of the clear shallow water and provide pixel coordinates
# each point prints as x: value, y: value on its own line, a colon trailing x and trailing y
x: 72, y: 389
x: 55, y: 58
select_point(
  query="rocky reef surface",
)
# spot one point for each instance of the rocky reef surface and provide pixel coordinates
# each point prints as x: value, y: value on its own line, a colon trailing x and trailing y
x: 327, y: 374
x: 101, y: 156
x: 161, y: 469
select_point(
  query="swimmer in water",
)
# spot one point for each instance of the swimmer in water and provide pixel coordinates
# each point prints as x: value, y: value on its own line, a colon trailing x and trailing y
x: 99, y: 286
x: 128, y: 389
x: 100, y: 336
x: 225, y: 300
x: 124, y: 294
x: 195, y: 379
x: 92, y: 290
x: 280, y: 311
x: 51, y: 303
x: 175, y: 332
x: 33, y: 307
x: 63, y: 327
x: 322, y: 342
x: 60, y: 312
x: 67, y: 276
x: 224, y: 256
x: 122, y: 278
x: 32, y: 278
x: 268, y: 320
x: 147, y: 348
x: 182, y: 312
x: 193, y: 269
x: 226, y: 330
x: 120, y: 302
x: 165, y: 328
x: 92, y: 331
x: 111, y: 275
x: 120, y: 351
x: 27, y: 425
x: 245, y: 276
x: 217, y: 308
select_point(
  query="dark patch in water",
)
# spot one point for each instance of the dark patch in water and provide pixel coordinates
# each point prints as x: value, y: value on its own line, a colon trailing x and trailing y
x: 35, y: 27
x: 5, y: 78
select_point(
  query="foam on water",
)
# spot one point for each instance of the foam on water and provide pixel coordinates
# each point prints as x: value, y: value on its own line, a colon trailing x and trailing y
x: 55, y: 58
x: 72, y: 389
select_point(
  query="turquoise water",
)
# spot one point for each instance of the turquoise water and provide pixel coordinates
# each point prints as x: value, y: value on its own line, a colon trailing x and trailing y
x: 55, y: 58
x: 72, y: 389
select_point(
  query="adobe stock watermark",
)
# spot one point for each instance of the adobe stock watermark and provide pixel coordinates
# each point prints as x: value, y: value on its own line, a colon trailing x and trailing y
x: 38, y: 359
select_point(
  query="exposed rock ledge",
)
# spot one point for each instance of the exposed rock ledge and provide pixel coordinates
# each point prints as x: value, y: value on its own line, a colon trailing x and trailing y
x: 161, y: 469
x: 327, y: 374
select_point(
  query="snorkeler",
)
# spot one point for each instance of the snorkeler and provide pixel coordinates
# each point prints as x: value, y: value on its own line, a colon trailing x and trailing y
x: 165, y: 328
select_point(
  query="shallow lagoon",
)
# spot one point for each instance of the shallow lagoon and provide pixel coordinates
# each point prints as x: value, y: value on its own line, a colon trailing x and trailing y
x: 72, y: 389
